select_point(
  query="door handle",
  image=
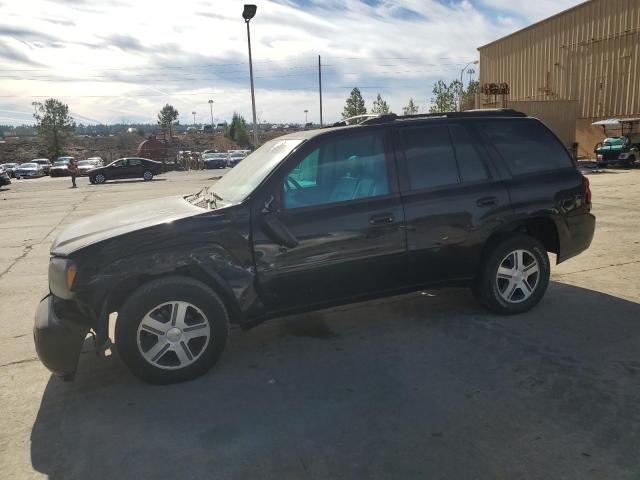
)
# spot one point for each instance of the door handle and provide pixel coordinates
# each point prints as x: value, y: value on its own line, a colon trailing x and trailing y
x: 487, y: 201
x: 381, y: 219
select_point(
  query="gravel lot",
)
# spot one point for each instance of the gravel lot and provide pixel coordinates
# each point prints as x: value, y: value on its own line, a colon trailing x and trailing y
x: 426, y: 385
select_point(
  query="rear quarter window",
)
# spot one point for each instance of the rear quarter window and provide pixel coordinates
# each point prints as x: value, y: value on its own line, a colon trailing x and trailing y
x: 526, y: 146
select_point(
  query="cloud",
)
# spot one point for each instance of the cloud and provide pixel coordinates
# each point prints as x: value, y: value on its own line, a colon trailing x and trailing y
x: 103, y: 58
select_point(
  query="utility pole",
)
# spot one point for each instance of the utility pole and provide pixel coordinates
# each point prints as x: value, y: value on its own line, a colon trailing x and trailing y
x: 320, y: 86
x: 305, y: 117
x: 194, y: 118
x: 213, y: 127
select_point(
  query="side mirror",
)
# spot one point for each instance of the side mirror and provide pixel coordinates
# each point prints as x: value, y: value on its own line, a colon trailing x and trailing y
x: 273, y: 227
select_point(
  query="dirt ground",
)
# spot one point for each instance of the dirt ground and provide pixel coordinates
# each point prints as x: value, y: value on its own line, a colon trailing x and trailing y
x: 427, y: 385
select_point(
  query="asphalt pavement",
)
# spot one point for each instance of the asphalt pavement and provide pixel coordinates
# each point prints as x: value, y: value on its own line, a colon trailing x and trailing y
x: 425, y: 385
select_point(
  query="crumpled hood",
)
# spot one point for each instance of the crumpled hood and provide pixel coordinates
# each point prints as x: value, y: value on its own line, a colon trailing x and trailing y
x: 121, y: 220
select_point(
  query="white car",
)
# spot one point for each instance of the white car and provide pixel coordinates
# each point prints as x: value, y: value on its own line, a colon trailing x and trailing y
x: 29, y: 170
x: 90, y: 163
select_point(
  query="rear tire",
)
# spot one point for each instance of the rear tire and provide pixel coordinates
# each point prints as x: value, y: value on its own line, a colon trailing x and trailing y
x: 514, y: 276
x: 99, y: 178
x: 171, y: 330
x: 147, y: 175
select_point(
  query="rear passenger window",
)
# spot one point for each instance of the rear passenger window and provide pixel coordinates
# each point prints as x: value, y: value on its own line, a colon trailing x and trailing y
x: 134, y: 162
x: 471, y: 166
x: 430, y: 159
x: 525, y: 145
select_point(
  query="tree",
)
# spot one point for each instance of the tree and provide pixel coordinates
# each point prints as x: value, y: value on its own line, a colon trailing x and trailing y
x: 168, y: 117
x: 354, y: 105
x: 410, y: 109
x: 445, y: 97
x: 469, y: 95
x: 54, y: 126
x: 380, y: 106
x: 237, y: 130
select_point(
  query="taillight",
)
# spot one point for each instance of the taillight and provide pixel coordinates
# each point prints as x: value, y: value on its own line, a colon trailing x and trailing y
x: 587, y: 190
x: 599, y: 157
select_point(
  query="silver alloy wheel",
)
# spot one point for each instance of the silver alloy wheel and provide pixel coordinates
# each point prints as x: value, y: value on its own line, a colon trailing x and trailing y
x: 517, y: 276
x: 173, y: 335
x: 147, y: 175
x: 100, y: 178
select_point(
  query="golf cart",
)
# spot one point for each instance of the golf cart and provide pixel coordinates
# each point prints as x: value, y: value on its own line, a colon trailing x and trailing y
x: 622, y: 143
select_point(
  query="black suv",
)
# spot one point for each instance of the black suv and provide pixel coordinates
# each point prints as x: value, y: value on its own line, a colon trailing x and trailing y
x: 313, y: 219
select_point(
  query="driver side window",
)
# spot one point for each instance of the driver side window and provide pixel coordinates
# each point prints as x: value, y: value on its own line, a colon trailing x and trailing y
x: 348, y: 168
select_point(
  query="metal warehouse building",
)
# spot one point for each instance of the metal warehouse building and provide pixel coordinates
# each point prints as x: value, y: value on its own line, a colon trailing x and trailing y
x: 571, y: 69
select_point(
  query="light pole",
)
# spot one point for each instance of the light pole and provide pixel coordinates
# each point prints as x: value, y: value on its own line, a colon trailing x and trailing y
x: 211, y: 107
x: 305, y: 117
x: 248, y: 13
x: 194, y: 118
x: 475, y: 62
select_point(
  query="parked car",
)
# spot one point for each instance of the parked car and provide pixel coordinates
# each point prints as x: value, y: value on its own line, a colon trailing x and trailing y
x: 314, y: 219
x: 60, y: 167
x: 9, y: 169
x: 4, y: 179
x: 215, y: 160
x: 206, y: 129
x: 90, y: 163
x: 236, y: 158
x: 45, y: 163
x: 133, y: 167
x: 29, y: 170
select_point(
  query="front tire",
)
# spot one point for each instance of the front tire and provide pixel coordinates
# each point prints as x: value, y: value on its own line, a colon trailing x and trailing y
x: 147, y: 175
x: 171, y: 330
x: 99, y: 178
x: 514, y: 275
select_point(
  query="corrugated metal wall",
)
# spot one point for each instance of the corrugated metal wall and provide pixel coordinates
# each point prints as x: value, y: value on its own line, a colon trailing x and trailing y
x: 590, y: 54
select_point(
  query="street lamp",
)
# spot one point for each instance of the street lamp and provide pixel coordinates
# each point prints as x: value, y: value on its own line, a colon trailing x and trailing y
x: 194, y: 117
x: 248, y: 13
x: 475, y: 62
x: 305, y: 117
x: 211, y: 107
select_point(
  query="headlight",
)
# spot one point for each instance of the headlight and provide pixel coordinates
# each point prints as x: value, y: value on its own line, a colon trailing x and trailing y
x: 62, y: 274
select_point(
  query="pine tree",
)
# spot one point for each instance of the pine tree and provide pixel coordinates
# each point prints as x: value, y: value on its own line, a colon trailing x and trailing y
x: 168, y: 117
x: 354, y: 105
x: 54, y: 126
x: 380, y: 106
x: 410, y: 109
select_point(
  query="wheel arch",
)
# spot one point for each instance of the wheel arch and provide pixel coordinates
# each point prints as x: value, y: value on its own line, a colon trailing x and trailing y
x: 542, y: 228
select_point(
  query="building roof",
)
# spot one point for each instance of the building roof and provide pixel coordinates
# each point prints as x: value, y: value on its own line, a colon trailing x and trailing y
x: 536, y: 24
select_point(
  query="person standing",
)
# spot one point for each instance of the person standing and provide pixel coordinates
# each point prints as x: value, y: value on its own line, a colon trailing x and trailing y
x: 73, y: 170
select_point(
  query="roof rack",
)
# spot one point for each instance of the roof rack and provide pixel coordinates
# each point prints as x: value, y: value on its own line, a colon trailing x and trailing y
x: 376, y: 119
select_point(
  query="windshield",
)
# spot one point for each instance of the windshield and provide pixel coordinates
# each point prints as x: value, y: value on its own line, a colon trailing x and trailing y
x: 247, y: 175
x: 215, y: 155
x: 83, y: 163
x: 61, y: 163
x: 614, y: 141
x: 28, y: 165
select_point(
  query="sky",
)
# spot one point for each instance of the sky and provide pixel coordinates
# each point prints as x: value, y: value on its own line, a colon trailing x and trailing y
x: 121, y: 60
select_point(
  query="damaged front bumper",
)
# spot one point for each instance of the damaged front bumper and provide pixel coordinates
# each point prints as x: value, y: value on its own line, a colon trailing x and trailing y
x: 58, y: 340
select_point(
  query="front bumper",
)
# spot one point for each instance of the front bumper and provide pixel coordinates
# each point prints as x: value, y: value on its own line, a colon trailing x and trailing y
x: 58, y: 340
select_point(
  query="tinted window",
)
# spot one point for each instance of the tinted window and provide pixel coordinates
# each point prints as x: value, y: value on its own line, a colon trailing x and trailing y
x: 525, y: 145
x: 134, y: 161
x: 429, y: 157
x: 344, y: 169
x: 471, y: 166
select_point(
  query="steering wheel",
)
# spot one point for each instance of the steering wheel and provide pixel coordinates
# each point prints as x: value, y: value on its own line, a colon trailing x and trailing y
x: 291, y: 184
